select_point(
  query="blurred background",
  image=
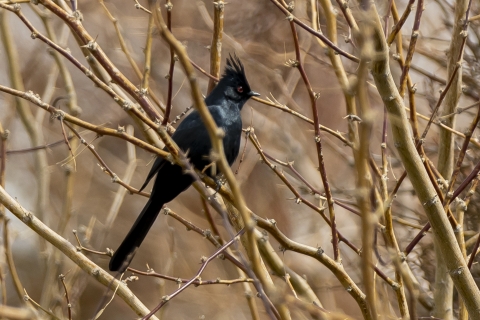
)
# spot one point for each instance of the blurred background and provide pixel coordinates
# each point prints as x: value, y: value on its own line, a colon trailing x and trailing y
x: 78, y: 195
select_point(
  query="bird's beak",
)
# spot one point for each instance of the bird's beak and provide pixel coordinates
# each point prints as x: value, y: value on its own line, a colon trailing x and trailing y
x: 254, y: 94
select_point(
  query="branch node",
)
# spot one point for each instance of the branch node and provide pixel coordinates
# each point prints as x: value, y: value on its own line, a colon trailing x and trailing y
x: 219, y: 5
x: 353, y: 117
x: 291, y: 6
x: 27, y: 217
x: 432, y: 201
x: 320, y: 251
x: 91, y: 46
x: 169, y: 6
x: 456, y: 272
x: 413, y: 88
x: 292, y: 63
x: 5, y: 134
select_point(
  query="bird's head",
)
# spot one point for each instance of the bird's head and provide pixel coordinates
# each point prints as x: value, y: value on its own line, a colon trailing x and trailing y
x: 233, y: 85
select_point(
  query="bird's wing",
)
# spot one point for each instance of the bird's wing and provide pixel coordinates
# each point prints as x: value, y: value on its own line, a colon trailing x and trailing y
x: 192, y: 137
x: 188, y: 132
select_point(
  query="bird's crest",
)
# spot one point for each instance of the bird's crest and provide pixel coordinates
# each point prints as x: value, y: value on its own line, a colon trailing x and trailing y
x: 235, y: 68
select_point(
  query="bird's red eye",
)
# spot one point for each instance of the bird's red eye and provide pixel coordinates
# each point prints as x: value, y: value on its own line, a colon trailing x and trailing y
x: 239, y: 89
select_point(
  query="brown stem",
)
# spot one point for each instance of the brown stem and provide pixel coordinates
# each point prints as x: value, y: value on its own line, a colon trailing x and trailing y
x: 318, y: 143
x: 168, y: 108
x: 216, y: 46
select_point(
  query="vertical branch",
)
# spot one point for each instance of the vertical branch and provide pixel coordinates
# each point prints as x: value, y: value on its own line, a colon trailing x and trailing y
x: 54, y: 257
x: 3, y: 167
x: 252, y: 304
x: 387, y: 17
x: 69, y: 305
x: 461, y: 156
x: 3, y: 161
x: 318, y: 142
x: 315, y: 21
x: 337, y: 64
x: 427, y: 196
x: 391, y: 240
x: 148, y: 55
x: 455, y: 56
x: 168, y: 108
x: 411, y: 47
x: 36, y: 137
x: 443, y: 289
x: 364, y: 185
x: 462, y: 207
x: 467, y: 201
x: 10, y: 262
x: 216, y: 46
x: 410, y: 87
x: 401, y: 267
x: 460, y: 210
x: 28, y: 120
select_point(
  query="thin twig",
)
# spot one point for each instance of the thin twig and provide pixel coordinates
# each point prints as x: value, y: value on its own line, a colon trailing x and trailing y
x: 69, y: 306
x: 318, y: 143
x: 398, y: 26
x: 411, y: 47
x: 197, y: 282
x: 196, y: 277
x: 26, y: 297
x: 10, y: 262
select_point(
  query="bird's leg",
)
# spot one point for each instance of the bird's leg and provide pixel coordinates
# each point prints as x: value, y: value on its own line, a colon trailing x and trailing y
x: 218, y: 184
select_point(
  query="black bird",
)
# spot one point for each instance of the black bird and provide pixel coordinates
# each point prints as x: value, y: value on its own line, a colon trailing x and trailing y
x: 224, y: 103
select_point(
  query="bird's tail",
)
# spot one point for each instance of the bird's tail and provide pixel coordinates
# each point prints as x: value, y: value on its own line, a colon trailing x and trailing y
x: 124, y: 254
